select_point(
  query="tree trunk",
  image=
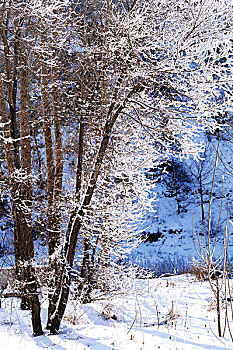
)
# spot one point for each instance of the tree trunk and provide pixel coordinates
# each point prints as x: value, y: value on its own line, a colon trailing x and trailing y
x: 21, y: 202
x: 50, y: 162
x: 84, y: 269
x: 202, y: 199
x: 218, y: 308
x: 54, y: 172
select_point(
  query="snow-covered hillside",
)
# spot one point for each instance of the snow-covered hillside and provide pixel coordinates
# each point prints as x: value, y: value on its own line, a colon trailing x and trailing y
x: 171, y: 229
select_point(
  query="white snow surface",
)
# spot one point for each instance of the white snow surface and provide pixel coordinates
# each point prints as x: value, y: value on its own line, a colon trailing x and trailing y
x: 176, y: 312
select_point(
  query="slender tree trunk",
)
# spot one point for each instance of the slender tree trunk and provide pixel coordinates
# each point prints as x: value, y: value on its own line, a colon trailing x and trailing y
x: 91, y: 268
x: 202, y: 199
x: 85, y: 268
x: 26, y: 185
x: 218, y: 308
x: 50, y: 162
x: 59, y: 165
x: 55, y: 198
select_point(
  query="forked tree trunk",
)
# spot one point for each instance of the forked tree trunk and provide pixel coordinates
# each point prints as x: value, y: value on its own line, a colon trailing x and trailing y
x: 61, y: 292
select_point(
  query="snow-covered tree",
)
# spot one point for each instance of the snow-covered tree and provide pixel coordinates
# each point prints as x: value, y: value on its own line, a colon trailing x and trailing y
x: 133, y: 82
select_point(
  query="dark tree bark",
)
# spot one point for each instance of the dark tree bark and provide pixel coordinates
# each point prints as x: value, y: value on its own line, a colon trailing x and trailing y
x: 18, y: 160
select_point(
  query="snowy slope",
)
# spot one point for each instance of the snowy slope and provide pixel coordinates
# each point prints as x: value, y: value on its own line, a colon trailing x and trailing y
x: 170, y: 244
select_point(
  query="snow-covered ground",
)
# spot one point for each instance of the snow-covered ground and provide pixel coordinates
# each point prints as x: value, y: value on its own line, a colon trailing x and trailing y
x: 167, y: 313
